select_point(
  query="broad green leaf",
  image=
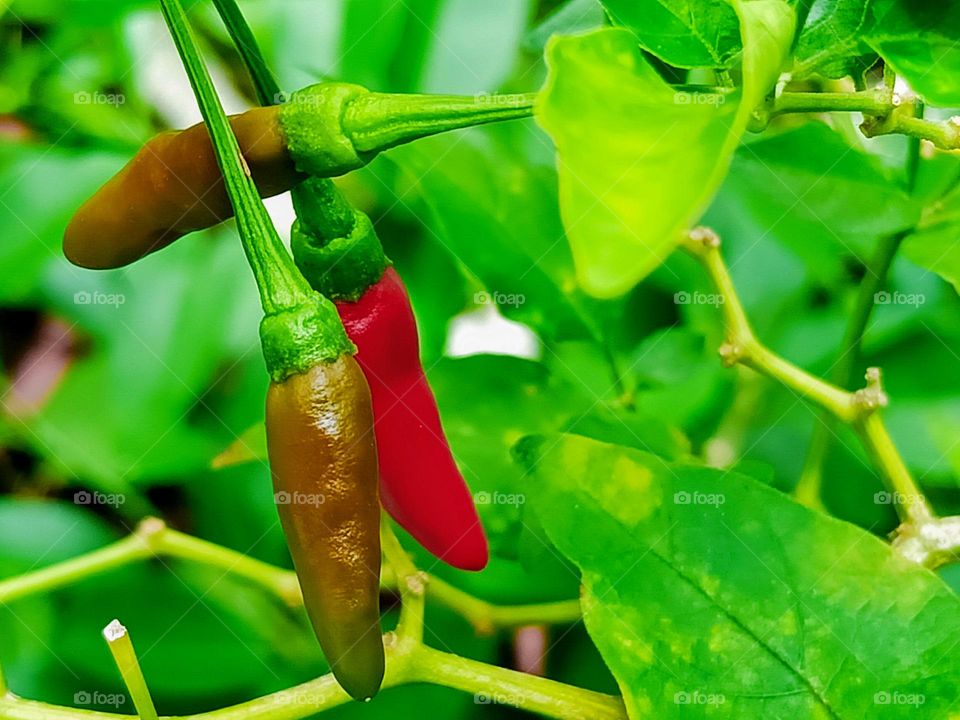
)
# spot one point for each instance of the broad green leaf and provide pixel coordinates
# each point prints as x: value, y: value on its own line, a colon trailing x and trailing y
x: 921, y: 42
x: 639, y: 161
x: 684, y: 33
x: 937, y: 249
x: 818, y: 195
x: 706, y: 588
x: 831, y: 42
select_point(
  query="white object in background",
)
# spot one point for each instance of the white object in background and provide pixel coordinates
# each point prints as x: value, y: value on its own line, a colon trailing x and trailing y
x: 486, y: 331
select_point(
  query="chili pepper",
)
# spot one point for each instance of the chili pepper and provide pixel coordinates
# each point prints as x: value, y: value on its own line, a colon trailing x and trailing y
x: 173, y: 186
x: 319, y: 421
x: 421, y: 486
x: 338, y: 247
x: 324, y: 463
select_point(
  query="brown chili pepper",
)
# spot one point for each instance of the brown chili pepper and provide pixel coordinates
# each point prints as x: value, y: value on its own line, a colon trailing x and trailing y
x: 324, y: 462
x: 171, y: 187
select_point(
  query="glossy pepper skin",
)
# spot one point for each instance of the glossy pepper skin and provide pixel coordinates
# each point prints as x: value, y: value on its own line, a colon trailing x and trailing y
x: 173, y: 185
x: 421, y: 486
x: 323, y: 459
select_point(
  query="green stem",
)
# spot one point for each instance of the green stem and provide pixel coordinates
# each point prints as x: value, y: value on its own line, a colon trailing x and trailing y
x: 324, y: 213
x: 121, y: 647
x: 49, y: 578
x: 281, y: 286
x: 378, y: 121
x: 406, y: 663
x: 858, y: 409
x: 809, y: 486
x: 908, y: 499
x: 499, y: 686
x: 871, y: 102
x: 282, y: 583
x: 410, y: 582
x: 485, y: 616
x: 743, y: 347
x: 264, y: 83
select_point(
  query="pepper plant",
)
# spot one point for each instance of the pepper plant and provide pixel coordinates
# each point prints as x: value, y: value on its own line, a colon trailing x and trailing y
x: 717, y: 477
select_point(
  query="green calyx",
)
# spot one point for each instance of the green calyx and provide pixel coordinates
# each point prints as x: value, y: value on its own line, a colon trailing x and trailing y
x: 312, y: 123
x: 335, y: 247
x: 298, y: 338
x: 333, y: 128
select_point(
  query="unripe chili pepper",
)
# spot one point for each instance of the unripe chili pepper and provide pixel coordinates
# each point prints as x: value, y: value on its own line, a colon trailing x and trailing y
x: 420, y: 484
x: 324, y: 464
x: 173, y: 186
x: 319, y: 421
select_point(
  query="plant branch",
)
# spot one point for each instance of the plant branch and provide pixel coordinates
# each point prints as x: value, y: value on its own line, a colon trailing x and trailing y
x: 885, y: 114
x: 499, y: 686
x: 410, y: 582
x: 486, y: 617
x: 407, y: 658
x: 811, y: 477
x: 858, y: 409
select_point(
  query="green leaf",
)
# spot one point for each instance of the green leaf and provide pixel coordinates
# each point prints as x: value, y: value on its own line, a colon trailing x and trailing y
x: 921, y: 42
x: 935, y: 245
x: 831, y: 43
x: 818, y: 195
x: 684, y: 33
x: 638, y: 161
x: 707, y: 588
x: 489, y: 402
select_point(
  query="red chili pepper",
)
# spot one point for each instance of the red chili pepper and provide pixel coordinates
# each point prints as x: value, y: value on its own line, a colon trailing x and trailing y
x: 420, y: 484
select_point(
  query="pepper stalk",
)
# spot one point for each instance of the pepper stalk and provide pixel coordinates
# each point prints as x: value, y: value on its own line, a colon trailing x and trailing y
x: 300, y: 327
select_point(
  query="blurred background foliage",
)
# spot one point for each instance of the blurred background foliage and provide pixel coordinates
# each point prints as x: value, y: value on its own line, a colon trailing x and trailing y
x: 131, y: 382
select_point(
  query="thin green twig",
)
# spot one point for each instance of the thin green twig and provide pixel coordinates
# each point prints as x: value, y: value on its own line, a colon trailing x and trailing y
x: 858, y: 409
